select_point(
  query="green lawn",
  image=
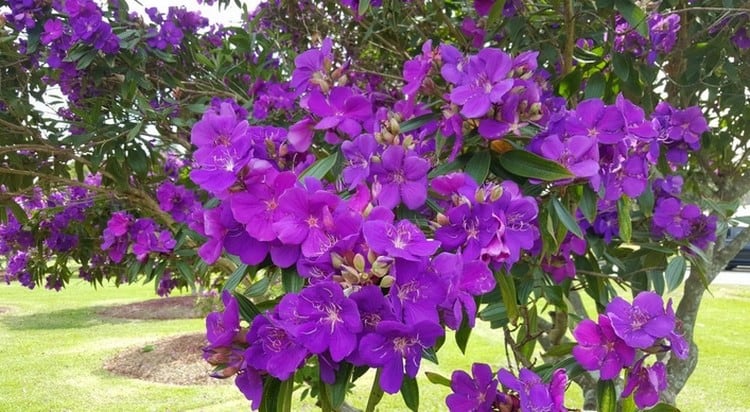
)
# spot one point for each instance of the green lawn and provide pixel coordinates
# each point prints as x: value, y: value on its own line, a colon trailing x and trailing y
x: 54, y: 345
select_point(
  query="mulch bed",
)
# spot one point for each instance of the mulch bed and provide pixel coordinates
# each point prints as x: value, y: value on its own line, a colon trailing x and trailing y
x: 4, y: 309
x: 176, y: 361
x: 178, y: 307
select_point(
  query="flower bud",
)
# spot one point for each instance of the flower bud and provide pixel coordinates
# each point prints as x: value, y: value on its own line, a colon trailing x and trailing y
x: 224, y: 373
x: 387, y: 281
x: 442, y: 219
x: 480, y: 195
x: 359, y: 262
x: 336, y: 260
x: 393, y: 126
x: 495, y: 193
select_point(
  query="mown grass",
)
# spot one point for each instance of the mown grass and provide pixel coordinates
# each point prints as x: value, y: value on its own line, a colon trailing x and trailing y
x: 54, y: 345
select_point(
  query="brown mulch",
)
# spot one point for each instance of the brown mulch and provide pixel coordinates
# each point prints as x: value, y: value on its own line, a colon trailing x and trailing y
x: 4, y: 309
x: 178, y: 307
x: 176, y: 361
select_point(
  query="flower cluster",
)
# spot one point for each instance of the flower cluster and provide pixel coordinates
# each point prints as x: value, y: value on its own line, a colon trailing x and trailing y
x: 662, y: 32
x: 527, y: 392
x: 172, y: 26
x: 145, y: 236
x: 623, y: 332
x: 677, y: 220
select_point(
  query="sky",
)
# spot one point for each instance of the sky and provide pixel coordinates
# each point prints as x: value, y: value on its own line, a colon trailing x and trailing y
x: 232, y: 15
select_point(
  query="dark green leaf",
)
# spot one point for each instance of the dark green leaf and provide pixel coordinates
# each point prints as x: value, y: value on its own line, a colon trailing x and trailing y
x: 410, y: 393
x: 138, y: 160
x: 623, y: 219
x: 595, y: 86
x: 508, y: 292
x: 186, y: 271
x: 291, y: 280
x: 438, y: 379
x: 479, y: 166
x: 635, y: 16
x: 675, y: 272
x: 271, y: 391
x: 417, y: 122
x: 561, y: 349
x: 622, y: 66
x: 606, y: 397
x: 588, y: 204
x: 258, y: 288
x: 663, y: 407
x: 248, y: 310
x: 566, y: 218
x: 237, y: 276
x: 462, y: 335
x: 430, y: 355
x: 527, y: 164
x: 363, y: 6
x: 496, y: 313
x: 337, y: 391
x: 320, y: 168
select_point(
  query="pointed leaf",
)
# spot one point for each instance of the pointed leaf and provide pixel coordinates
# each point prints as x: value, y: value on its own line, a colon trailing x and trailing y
x: 675, y: 272
x: 438, y: 379
x: 527, y: 164
x: 606, y: 398
x: 410, y: 393
x: 566, y: 218
x: 478, y: 167
x: 321, y: 167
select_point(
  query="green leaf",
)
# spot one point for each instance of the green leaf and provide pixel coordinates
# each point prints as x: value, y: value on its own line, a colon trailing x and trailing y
x: 462, y: 335
x: 622, y: 66
x: 675, y: 272
x: 588, y: 204
x: 663, y: 407
x: 566, y: 218
x: 138, y: 160
x: 494, y: 313
x: 635, y: 16
x: 623, y: 219
x: 291, y: 280
x: 438, y: 379
x: 430, y: 355
x: 248, y: 310
x: 595, y: 86
x: 508, y: 292
x: 363, y: 6
x: 17, y: 210
x: 321, y: 167
x: 478, y: 167
x: 495, y: 14
x: 271, y: 391
x: 258, y: 288
x: 628, y: 404
x: 337, y: 391
x: 235, y: 278
x: 417, y: 122
x: 527, y: 164
x: 561, y: 349
x: 606, y: 397
x: 186, y: 272
x: 410, y: 393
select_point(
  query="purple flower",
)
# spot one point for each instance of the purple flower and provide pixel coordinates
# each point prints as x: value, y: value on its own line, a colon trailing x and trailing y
x: 465, y: 279
x: 306, y: 220
x: 273, y: 349
x: 402, y: 177
x: 534, y: 394
x: 250, y: 383
x: 416, y: 294
x: 404, y: 240
x: 222, y: 327
x: 473, y: 395
x: 258, y: 206
x: 646, y: 382
x: 311, y: 67
x: 358, y: 154
x: 327, y: 320
x: 397, y: 347
x: 599, y: 348
x: 641, y: 324
x: 53, y: 30
x: 343, y: 110
x: 487, y: 81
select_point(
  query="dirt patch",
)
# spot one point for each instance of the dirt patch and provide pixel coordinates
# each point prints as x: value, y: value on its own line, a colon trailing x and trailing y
x: 4, y: 309
x: 178, y: 307
x: 176, y: 361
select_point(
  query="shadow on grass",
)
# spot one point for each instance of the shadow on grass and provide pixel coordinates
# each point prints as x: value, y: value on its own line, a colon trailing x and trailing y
x: 60, y: 319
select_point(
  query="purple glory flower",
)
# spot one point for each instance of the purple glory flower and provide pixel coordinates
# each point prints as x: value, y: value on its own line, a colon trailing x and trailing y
x: 646, y: 382
x: 307, y: 219
x: 328, y: 320
x: 674, y: 218
x: 416, y: 294
x: 53, y: 30
x: 222, y: 327
x: 273, y: 349
x: 470, y: 227
x: 741, y: 39
x: 344, y: 110
x: 404, y: 240
x: 473, y: 395
x: 465, y: 279
x: 641, y: 324
x: 594, y: 119
x: 311, y: 67
x: 250, y: 382
x: 599, y: 348
x: 486, y: 82
x: 397, y: 347
x: 402, y: 177
x: 358, y: 154
x: 258, y: 207
x: 534, y: 394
